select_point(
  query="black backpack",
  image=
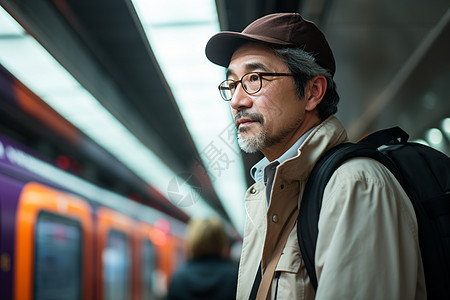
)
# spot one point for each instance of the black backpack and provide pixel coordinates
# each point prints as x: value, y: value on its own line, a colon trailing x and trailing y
x: 423, y: 172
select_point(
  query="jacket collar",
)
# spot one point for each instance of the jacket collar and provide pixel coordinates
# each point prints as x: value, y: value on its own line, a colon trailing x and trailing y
x: 258, y: 171
x: 325, y: 136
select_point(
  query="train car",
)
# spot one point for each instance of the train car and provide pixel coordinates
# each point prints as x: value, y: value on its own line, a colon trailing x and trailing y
x: 64, y: 238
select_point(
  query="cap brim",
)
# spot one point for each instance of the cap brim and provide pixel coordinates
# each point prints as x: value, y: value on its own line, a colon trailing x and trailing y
x: 221, y: 46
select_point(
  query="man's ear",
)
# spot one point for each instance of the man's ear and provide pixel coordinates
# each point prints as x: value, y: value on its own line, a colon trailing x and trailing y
x: 316, y: 89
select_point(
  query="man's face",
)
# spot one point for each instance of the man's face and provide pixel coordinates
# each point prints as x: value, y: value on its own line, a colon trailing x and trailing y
x: 270, y: 120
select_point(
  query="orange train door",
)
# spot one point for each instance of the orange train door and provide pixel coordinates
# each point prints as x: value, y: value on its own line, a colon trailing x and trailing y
x: 114, y: 254
x: 145, y: 285
x: 53, y: 244
x: 155, y: 254
x: 170, y: 252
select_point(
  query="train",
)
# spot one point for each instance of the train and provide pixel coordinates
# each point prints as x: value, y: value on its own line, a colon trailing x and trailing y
x: 62, y: 237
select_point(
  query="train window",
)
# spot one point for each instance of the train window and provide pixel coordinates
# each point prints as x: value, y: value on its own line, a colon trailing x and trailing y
x: 58, y: 248
x: 116, y: 267
x: 148, y: 270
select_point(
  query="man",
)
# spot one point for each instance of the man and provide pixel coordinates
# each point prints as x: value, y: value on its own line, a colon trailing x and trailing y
x: 282, y: 94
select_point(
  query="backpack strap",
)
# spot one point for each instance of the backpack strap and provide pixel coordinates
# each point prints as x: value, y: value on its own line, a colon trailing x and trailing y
x: 256, y: 283
x: 308, y: 219
x: 389, y: 136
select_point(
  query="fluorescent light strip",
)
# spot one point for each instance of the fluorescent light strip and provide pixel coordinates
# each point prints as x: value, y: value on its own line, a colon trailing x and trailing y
x: 28, y: 61
x: 178, y: 40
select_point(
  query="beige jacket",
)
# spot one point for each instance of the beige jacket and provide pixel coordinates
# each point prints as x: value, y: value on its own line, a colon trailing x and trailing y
x: 367, y: 246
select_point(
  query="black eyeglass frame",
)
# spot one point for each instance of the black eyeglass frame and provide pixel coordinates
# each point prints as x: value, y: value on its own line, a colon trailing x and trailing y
x: 260, y: 74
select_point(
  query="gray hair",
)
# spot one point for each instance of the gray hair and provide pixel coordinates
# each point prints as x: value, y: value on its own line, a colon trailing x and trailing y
x: 304, y: 67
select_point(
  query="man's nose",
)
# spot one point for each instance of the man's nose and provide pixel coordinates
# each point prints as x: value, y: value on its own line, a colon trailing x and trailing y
x: 240, y: 98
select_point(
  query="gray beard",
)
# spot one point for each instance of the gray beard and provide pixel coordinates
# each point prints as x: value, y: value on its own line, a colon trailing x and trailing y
x: 252, y: 144
x: 261, y: 141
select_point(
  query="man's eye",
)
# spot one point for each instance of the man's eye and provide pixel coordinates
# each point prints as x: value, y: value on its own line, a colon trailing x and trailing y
x: 254, y: 77
x: 232, y: 85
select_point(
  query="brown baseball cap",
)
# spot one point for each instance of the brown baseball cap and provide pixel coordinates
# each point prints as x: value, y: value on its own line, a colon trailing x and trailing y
x: 281, y: 29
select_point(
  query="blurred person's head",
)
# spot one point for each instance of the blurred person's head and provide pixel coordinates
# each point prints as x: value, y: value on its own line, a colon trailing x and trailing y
x: 206, y: 237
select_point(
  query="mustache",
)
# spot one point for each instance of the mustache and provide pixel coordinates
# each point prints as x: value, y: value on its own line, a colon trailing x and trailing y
x: 244, y: 114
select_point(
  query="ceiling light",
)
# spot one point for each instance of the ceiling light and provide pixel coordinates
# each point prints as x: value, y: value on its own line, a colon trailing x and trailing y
x: 446, y: 125
x: 434, y: 136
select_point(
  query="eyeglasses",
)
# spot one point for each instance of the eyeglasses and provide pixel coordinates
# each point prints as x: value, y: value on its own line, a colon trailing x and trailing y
x: 251, y: 83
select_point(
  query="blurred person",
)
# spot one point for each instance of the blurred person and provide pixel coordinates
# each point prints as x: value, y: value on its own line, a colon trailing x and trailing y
x: 279, y: 81
x: 208, y: 273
